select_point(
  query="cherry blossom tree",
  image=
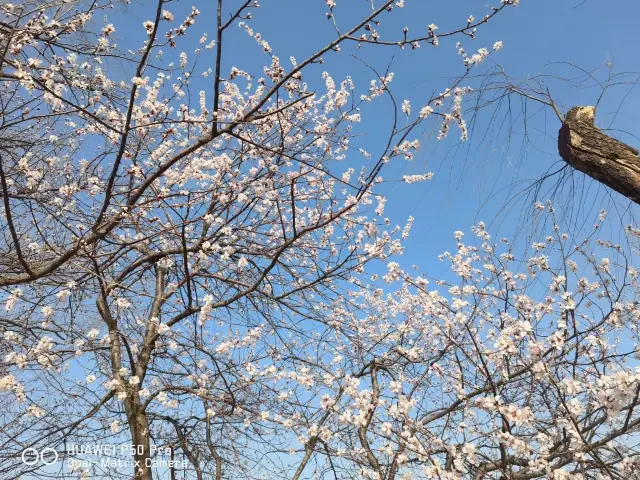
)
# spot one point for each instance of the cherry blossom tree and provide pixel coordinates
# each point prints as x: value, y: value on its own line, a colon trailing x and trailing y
x: 504, y: 369
x: 187, y: 270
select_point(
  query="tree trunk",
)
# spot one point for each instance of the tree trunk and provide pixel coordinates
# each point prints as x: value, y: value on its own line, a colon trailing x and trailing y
x: 139, y: 428
x: 613, y: 163
x: 136, y: 416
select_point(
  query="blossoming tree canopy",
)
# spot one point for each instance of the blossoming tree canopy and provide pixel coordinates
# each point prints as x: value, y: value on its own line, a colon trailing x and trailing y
x: 190, y: 244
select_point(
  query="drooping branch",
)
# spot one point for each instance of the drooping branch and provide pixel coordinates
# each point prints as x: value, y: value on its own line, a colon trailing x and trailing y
x: 613, y: 163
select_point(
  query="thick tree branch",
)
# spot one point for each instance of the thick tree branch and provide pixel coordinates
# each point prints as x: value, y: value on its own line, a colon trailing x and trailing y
x: 613, y: 163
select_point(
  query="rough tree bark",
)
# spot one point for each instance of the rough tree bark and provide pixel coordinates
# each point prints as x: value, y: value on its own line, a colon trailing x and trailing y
x: 613, y: 163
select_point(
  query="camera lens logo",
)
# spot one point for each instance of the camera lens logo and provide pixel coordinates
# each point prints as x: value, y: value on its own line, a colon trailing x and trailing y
x: 47, y: 456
